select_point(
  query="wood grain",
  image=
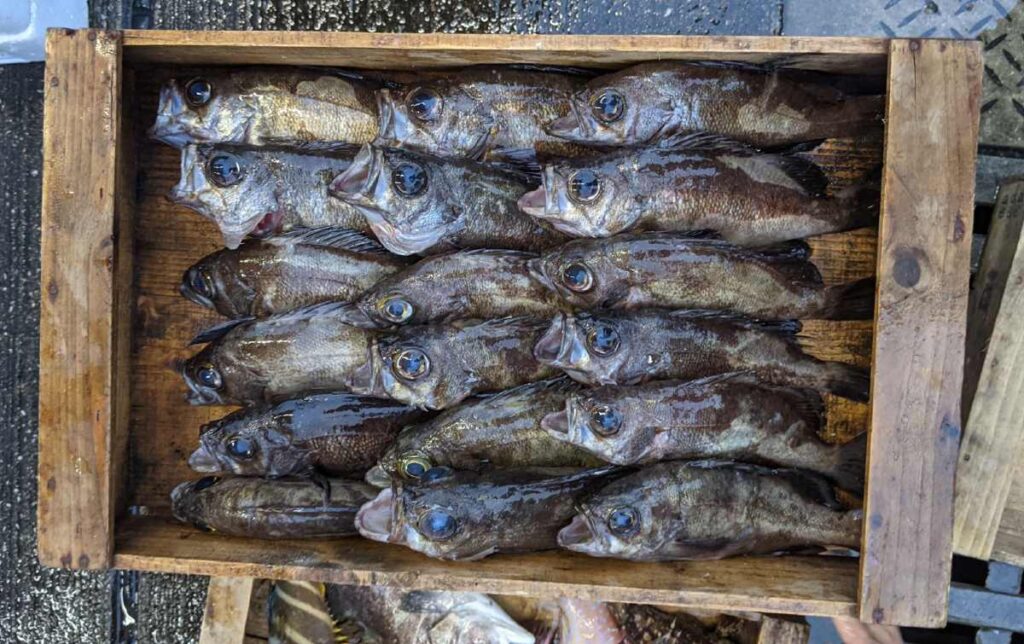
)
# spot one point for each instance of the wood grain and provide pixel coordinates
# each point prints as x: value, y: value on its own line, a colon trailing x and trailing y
x: 923, y: 270
x: 227, y: 610
x: 82, y: 336
x: 783, y: 631
x: 1009, y: 545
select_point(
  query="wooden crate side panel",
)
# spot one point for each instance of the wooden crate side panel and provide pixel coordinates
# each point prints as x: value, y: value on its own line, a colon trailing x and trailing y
x: 1009, y: 545
x: 79, y: 257
x: 923, y: 270
x: 227, y: 610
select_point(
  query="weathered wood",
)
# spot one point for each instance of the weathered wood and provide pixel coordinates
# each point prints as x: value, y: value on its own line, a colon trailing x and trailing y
x: 82, y: 337
x: 227, y: 610
x: 1009, y: 545
x: 924, y: 253
x: 783, y: 631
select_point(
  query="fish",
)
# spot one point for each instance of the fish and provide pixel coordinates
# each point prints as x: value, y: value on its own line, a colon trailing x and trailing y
x: 484, y: 113
x: 324, y: 347
x: 262, y: 192
x: 589, y: 622
x: 418, y: 205
x: 466, y: 516
x: 728, y: 416
x: 437, y: 366
x: 332, y: 434
x: 581, y: 621
x: 503, y: 430
x: 287, y: 508
x: 268, y: 106
x: 304, y: 266
x: 743, y: 196
x: 298, y: 613
x: 426, y: 616
x: 674, y: 271
x: 633, y: 347
x: 654, y: 101
x: 482, y: 284
x: 682, y: 510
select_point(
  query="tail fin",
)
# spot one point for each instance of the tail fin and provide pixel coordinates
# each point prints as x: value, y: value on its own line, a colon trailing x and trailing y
x: 852, y: 301
x: 848, y: 470
x: 847, y: 381
x: 864, y: 201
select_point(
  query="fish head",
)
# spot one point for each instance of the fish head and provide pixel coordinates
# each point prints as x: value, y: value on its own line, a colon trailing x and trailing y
x: 217, y: 282
x: 584, y: 199
x: 252, y: 442
x: 191, y: 501
x: 580, y: 272
x: 472, y: 618
x: 388, y: 307
x: 613, y: 426
x: 423, y: 368
x: 403, y: 198
x: 216, y: 376
x: 204, y: 109
x: 232, y: 188
x: 619, y: 521
x: 591, y: 348
x: 624, y: 109
x: 441, y: 119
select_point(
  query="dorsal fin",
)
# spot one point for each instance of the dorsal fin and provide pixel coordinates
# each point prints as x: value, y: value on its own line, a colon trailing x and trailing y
x: 330, y: 237
x: 706, y: 142
x: 346, y: 312
x: 782, y: 327
x: 561, y: 383
x: 813, y: 487
x: 218, y: 331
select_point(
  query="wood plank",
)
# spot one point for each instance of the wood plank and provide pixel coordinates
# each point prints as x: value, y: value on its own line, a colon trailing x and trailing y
x: 80, y: 333
x: 923, y: 264
x: 775, y: 630
x: 1009, y: 545
x: 382, y: 51
x: 790, y: 585
x: 227, y: 609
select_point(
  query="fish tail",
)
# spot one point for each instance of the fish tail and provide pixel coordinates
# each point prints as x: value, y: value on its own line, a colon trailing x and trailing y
x: 861, y: 203
x: 848, y: 470
x: 852, y: 301
x: 846, y: 381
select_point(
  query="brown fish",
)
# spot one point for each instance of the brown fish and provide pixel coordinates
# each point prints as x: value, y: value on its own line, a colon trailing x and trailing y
x: 289, y: 271
x: 271, y: 508
x: 744, y: 196
x: 650, y: 102
x: 324, y: 347
x: 728, y: 416
x: 298, y: 613
x: 266, y: 106
x: 481, y: 284
x: 438, y: 366
x: 336, y: 434
x: 709, y: 510
x: 633, y: 347
x: 464, y: 516
x: 673, y: 271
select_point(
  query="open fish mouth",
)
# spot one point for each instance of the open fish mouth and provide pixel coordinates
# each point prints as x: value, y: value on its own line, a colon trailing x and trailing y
x: 375, y: 520
x: 203, y: 461
x: 387, y: 135
x: 269, y: 225
x: 571, y: 127
x: 378, y: 477
x: 556, y: 424
x: 355, y: 184
x: 560, y: 346
x: 579, y: 536
x: 190, y: 293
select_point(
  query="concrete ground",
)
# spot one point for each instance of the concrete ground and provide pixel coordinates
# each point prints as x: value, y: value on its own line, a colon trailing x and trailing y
x: 39, y: 605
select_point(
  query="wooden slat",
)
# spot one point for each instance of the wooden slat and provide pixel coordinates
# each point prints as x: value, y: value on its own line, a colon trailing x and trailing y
x: 80, y: 334
x: 227, y: 609
x: 782, y: 631
x: 923, y: 269
x: 1009, y: 545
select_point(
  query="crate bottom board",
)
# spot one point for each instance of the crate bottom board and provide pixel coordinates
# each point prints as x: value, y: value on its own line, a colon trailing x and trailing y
x: 793, y: 585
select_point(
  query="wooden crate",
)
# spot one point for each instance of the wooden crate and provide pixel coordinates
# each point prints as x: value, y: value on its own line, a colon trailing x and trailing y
x: 115, y: 431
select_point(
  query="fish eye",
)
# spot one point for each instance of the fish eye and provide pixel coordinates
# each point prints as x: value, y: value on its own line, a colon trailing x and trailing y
x: 208, y: 376
x: 412, y: 364
x: 225, y: 169
x: 199, y: 282
x: 241, y: 447
x: 414, y: 467
x: 577, y: 277
x: 584, y: 186
x: 438, y: 525
x: 198, y: 92
x: 396, y: 310
x: 608, y: 106
x: 605, y: 420
x: 424, y: 104
x: 409, y: 179
x: 204, y: 483
x: 623, y: 521
x: 603, y: 340
x: 437, y: 473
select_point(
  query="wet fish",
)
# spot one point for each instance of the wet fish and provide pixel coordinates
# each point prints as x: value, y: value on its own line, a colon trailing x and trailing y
x: 418, y: 205
x: 464, y: 516
x: 673, y: 271
x: 581, y: 621
x: 438, y: 366
x: 503, y: 430
x: 484, y: 113
x: 482, y: 284
x: 588, y: 622
x: 295, y: 269
x: 336, y: 434
x: 271, y: 508
x: 728, y: 416
x: 653, y: 101
x: 426, y: 616
x: 262, y: 192
x: 632, y: 347
x: 706, y: 510
x: 263, y: 106
x: 745, y: 197
x: 298, y: 613
x: 324, y: 347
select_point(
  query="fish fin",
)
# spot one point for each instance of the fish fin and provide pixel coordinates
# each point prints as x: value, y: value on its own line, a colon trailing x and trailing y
x: 518, y: 160
x: 218, y: 331
x: 561, y: 383
x: 851, y: 457
x: 330, y: 237
x: 346, y: 312
x: 789, y: 258
x: 700, y: 234
x: 324, y: 484
x: 812, y: 486
x: 710, y: 548
x: 804, y: 172
x: 486, y: 552
x: 745, y: 377
x: 481, y: 145
x: 808, y: 403
x: 781, y: 327
x: 706, y: 142
x: 864, y: 200
x: 497, y: 252
x: 847, y: 381
x: 348, y: 631
x: 853, y: 301
x: 556, y: 69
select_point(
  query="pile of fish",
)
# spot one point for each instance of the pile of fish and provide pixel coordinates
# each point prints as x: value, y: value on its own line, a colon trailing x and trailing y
x: 510, y: 309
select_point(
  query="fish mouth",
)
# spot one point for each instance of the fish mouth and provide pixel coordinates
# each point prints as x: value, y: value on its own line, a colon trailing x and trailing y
x: 560, y: 345
x: 556, y: 424
x: 168, y: 128
x: 377, y: 476
x: 203, y: 461
x: 566, y: 127
x: 178, y: 495
x: 535, y: 269
x: 269, y: 224
x: 534, y: 202
x: 386, y: 127
x: 375, y: 520
x: 579, y: 535
x: 190, y: 293
x: 355, y: 184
